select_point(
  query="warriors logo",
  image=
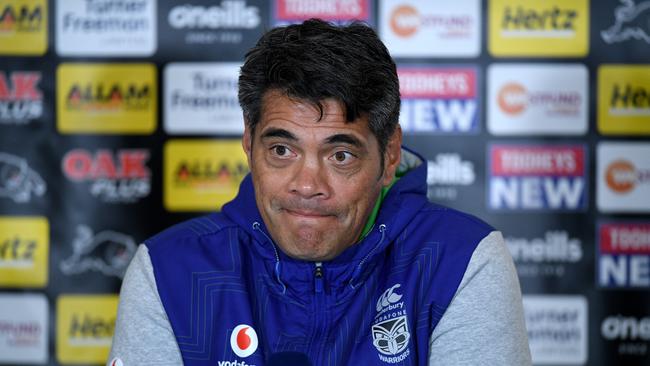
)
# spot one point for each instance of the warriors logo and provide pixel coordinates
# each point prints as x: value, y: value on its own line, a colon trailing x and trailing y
x: 390, y: 331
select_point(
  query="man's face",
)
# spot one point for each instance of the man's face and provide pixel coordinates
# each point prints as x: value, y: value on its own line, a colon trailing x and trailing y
x: 316, y: 181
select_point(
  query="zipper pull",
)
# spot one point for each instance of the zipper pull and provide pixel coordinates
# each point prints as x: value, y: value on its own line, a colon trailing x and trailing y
x: 318, y: 277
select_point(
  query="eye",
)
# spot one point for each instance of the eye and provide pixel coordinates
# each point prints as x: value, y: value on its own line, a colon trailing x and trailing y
x: 342, y: 156
x: 281, y: 151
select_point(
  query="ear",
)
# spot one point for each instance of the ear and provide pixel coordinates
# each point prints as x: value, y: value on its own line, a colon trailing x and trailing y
x: 247, y: 144
x: 392, y: 156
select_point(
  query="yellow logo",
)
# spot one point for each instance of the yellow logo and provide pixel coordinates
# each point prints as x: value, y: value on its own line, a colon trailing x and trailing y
x: 106, y: 98
x: 85, y: 326
x: 548, y: 28
x: 624, y: 99
x: 202, y: 175
x: 23, y: 27
x: 24, y: 251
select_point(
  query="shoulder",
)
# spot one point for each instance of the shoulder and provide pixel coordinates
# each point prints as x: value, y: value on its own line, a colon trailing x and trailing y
x: 193, y: 230
x: 450, y: 223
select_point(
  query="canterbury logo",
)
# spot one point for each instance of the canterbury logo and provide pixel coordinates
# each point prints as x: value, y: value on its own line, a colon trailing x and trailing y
x: 388, y: 297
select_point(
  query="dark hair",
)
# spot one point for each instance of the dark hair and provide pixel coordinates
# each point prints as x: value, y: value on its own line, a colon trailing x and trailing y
x: 316, y: 60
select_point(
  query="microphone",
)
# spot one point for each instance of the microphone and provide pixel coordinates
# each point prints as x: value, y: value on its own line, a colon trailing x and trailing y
x: 288, y: 359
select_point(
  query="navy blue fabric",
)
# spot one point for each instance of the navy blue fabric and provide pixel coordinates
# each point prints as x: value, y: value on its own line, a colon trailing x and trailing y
x: 221, y: 270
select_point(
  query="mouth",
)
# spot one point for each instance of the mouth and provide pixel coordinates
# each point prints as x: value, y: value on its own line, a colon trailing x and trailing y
x: 309, y: 214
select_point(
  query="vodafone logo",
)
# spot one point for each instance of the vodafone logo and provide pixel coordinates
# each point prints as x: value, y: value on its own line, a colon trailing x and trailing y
x: 243, y: 340
x: 513, y: 98
x: 405, y: 21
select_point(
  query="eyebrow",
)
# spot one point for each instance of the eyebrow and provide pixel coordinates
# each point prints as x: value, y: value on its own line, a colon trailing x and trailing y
x: 278, y: 132
x: 345, y: 139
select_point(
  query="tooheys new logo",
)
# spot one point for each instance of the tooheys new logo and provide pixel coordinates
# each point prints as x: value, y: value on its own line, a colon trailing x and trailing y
x: 21, y: 99
x: 24, y: 18
x: 390, y: 329
x: 438, y: 100
x: 537, y: 177
x: 624, y: 254
x: 116, y: 177
x: 555, y: 22
x: 230, y: 14
x: 104, y: 97
x: 333, y: 10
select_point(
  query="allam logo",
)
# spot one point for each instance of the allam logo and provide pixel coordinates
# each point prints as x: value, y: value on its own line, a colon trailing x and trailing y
x: 632, y: 22
x: 23, y: 27
x: 243, y: 340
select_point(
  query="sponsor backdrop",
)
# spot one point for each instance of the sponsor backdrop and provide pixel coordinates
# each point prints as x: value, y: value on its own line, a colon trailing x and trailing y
x: 119, y: 118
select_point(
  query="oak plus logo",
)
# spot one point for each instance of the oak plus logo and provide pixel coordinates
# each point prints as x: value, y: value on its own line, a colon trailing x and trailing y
x: 537, y: 99
x: 539, y: 28
x: 439, y: 100
x: 21, y: 99
x: 390, y: 328
x: 537, y: 177
x: 431, y: 29
x: 107, y: 98
x: 338, y: 11
x: 632, y: 22
x: 108, y: 252
x: 624, y: 254
x: 202, y: 98
x: 120, y: 176
x: 557, y: 329
x: 106, y: 27
x: 84, y: 328
x: 624, y: 99
x: 630, y: 334
x: 547, y: 256
x: 23, y: 328
x: 23, y: 27
x: 623, y: 177
x: 18, y: 181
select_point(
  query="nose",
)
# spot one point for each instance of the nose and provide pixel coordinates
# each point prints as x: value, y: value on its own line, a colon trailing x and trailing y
x: 309, y: 180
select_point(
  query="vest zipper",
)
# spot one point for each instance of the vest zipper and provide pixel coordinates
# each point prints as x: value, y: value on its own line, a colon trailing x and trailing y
x: 320, y: 314
x: 318, y: 277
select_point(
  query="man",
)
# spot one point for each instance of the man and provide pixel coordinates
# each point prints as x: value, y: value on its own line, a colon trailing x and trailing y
x: 330, y: 248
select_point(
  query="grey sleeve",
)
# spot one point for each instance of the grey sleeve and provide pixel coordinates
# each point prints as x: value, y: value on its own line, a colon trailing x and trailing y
x: 143, y: 334
x: 484, y: 324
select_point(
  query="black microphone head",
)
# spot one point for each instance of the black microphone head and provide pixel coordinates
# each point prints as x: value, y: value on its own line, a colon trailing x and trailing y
x: 288, y: 359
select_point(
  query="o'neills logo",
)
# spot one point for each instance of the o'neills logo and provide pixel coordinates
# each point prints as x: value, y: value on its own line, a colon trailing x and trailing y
x: 554, y: 247
x: 23, y: 18
x: 406, y: 21
x: 101, y: 97
x: 555, y: 22
x: 622, y: 176
x: 390, y: 329
x: 450, y: 169
x: 629, y: 100
x: 231, y: 14
x: 21, y: 99
x: 514, y: 99
x: 626, y: 328
x: 209, y: 174
x: 121, y: 176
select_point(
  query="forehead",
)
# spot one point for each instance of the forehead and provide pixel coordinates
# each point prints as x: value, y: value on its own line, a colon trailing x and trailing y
x: 279, y: 110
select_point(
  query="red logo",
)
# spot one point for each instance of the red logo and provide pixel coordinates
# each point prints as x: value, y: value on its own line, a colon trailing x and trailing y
x: 243, y: 340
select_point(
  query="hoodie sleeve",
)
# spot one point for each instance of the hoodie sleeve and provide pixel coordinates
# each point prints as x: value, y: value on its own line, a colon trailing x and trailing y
x: 485, y: 319
x: 143, y: 334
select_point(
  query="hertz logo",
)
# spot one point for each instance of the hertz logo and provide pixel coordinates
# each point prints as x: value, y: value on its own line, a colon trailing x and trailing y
x: 17, y: 252
x: 629, y: 100
x: 85, y: 326
x: 23, y: 18
x: 624, y: 99
x: 554, y: 22
x: 24, y: 251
